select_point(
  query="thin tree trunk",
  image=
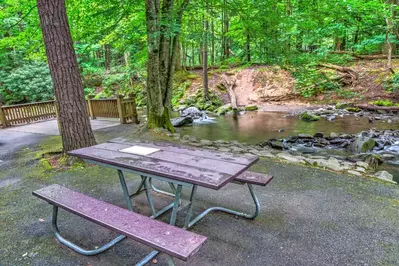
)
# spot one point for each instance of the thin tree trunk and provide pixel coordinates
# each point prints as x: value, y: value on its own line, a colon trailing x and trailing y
x: 73, y: 117
x: 213, y: 44
x: 205, y: 59
x: 107, y: 57
x: 248, y: 48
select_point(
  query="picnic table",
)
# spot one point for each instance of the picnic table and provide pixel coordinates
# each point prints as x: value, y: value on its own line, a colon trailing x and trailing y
x: 175, y: 164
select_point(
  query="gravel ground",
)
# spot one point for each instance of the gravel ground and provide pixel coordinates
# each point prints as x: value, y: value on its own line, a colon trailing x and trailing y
x: 308, y: 217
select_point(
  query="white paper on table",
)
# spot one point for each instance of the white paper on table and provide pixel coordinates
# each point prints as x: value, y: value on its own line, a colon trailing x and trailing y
x: 139, y: 150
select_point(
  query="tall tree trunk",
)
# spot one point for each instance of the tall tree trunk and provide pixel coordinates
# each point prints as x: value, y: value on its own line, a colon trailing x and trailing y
x: 213, y: 44
x: 205, y: 58
x: 162, y: 38
x: 73, y: 117
x: 227, y: 39
x: 248, y: 48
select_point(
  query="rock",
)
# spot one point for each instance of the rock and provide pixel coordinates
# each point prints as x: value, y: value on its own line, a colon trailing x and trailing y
x: 224, y: 149
x: 353, y: 109
x: 305, y: 150
x: 388, y: 156
x: 331, y: 118
x: 333, y: 135
x: 290, y: 158
x: 251, y: 108
x: 332, y: 164
x: 389, y: 121
x: 371, y: 119
x: 360, y: 169
x: 318, y: 135
x: 262, y: 153
x: 363, y: 164
x: 276, y: 144
x: 352, y: 172
x: 281, y: 130
x: 373, y: 160
x: 342, y: 105
x: 362, y: 145
x: 181, y: 121
x: 309, y: 117
x: 217, y: 142
x: 384, y: 175
x: 222, y: 110
x: 305, y: 136
x: 205, y: 142
x: 193, y: 112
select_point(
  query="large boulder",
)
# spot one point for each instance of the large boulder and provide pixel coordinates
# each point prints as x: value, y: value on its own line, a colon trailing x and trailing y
x: 361, y: 145
x: 181, y: 121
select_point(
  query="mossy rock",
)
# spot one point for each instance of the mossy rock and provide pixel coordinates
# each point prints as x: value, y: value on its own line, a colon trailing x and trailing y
x: 309, y: 117
x: 222, y: 110
x: 251, y: 108
x: 353, y: 109
x: 342, y: 105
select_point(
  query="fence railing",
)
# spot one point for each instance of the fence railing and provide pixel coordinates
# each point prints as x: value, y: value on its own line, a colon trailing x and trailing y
x: 124, y: 109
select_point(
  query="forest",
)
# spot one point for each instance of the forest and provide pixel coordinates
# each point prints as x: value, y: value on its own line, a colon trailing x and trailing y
x: 315, y: 42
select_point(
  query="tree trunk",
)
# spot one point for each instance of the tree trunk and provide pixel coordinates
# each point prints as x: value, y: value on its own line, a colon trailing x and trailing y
x: 73, y: 117
x: 107, y: 57
x: 248, y: 48
x: 205, y: 59
x: 213, y: 44
x: 162, y: 38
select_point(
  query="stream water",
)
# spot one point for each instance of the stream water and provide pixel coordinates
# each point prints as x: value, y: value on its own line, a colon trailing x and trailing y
x: 256, y: 127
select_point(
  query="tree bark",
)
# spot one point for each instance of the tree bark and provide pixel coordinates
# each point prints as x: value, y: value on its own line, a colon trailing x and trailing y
x: 205, y: 59
x: 73, y: 117
x: 107, y: 57
x: 229, y: 85
x: 162, y: 38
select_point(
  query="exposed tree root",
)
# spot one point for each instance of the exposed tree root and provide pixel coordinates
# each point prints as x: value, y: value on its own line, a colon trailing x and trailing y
x: 229, y: 83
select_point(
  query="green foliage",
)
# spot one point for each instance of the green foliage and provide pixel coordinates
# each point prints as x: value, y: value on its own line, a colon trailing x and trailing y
x: 392, y: 83
x: 384, y: 103
x: 310, y: 81
x: 211, y: 103
x: 251, y: 108
x: 28, y: 83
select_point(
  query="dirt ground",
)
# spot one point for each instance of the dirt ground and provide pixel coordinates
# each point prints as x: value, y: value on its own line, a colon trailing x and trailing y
x: 271, y: 85
x: 308, y: 216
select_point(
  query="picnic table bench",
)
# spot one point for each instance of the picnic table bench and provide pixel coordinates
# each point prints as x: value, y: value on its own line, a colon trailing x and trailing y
x: 163, y: 237
x: 177, y: 165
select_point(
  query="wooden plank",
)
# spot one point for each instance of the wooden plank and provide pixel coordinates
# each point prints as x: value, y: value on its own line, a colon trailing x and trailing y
x: 254, y: 178
x: 172, y: 147
x: 166, y: 238
x: 181, y: 158
x: 190, y: 174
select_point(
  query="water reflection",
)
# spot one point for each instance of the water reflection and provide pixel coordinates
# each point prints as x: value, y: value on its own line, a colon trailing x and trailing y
x: 255, y: 127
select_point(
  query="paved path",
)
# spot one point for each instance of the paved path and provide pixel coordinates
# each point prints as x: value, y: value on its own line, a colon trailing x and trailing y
x: 308, y: 217
x: 51, y: 128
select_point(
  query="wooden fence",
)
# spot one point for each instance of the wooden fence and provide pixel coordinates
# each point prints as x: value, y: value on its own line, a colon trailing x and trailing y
x: 124, y: 109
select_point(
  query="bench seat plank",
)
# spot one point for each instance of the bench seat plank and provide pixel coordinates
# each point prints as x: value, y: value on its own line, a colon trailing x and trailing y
x: 163, y: 237
x: 254, y: 178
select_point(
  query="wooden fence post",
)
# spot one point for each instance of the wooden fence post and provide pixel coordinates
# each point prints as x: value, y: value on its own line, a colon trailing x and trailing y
x: 90, y: 105
x: 135, y: 118
x: 2, y: 116
x: 119, y: 99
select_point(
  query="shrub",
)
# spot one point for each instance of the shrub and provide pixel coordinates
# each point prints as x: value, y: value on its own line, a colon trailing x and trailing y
x: 28, y: 83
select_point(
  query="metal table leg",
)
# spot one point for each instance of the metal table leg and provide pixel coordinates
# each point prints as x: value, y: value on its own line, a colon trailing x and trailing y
x: 76, y: 247
x: 189, y: 223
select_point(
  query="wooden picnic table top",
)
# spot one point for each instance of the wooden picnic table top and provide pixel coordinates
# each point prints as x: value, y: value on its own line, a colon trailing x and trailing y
x: 206, y: 168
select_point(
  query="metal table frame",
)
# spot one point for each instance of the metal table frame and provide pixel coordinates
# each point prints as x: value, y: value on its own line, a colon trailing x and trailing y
x: 146, y: 186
